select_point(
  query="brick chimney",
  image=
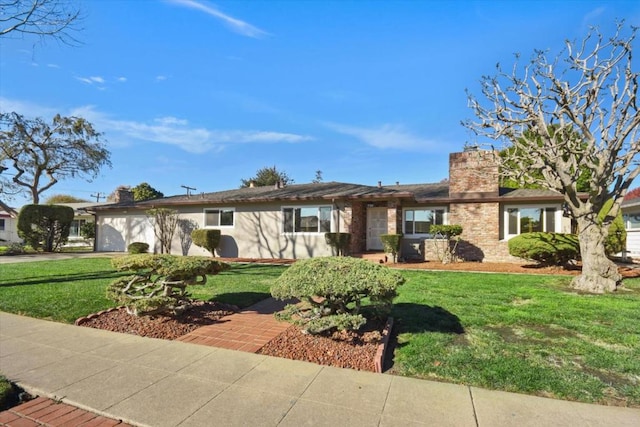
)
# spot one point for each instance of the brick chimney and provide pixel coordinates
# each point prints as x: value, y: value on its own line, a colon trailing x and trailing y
x: 124, y: 195
x: 473, y: 173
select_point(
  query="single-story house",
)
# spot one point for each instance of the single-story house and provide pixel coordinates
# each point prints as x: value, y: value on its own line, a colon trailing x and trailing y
x: 631, y: 217
x: 291, y: 221
x: 8, y: 225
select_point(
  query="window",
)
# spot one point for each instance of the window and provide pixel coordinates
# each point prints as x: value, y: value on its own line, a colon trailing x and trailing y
x: 1, y: 224
x: 419, y: 221
x: 631, y: 221
x: 308, y: 219
x: 219, y: 217
x: 531, y: 219
x: 76, y: 225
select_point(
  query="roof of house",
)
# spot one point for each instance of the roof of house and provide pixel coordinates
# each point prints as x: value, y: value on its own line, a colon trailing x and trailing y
x: 8, y: 211
x: 420, y: 193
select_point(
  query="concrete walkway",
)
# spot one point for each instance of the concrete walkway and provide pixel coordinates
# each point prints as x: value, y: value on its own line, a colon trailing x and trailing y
x: 150, y: 382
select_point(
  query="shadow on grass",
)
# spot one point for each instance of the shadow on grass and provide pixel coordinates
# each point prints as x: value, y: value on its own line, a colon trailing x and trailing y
x: 252, y: 269
x: 241, y: 299
x: 416, y: 318
x: 62, y: 278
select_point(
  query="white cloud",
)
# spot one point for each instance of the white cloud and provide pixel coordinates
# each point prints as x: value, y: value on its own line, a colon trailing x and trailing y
x: 163, y: 130
x: 161, y: 78
x: 91, y: 80
x: 122, y: 79
x: 385, y: 136
x: 236, y: 25
x: 178, y: 132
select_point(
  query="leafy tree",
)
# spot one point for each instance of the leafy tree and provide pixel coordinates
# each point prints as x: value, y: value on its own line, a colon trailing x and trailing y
x: 88, y: 230
x: 144, y: 191
x: 165, y: 222
x: 43, y: 18
x: 41, y: 153
x: 318, y: 179
x: 45, y: 227
x: 589, y: 89
x: 63, y: 198
x: 515, y: 178
x: 267, y: 176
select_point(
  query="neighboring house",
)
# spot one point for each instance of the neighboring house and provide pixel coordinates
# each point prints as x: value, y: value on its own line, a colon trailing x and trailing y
x: 290, y: 221
x: 80, y: 217
x: 631, y: 217
x: 8, y: 225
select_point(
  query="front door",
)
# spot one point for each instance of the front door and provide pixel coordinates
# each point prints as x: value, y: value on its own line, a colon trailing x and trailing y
x: 376, y: 225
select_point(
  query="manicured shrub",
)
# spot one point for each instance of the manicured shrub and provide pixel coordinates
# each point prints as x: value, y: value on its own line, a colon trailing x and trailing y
x: 88, y: 230
x: 206, y: 238
x: 45, y: 227
x: 545, y: 248
x: 138, y: 248
x: 159, y: 284
x: 332, y: 289
x: 391, y: 243
x: 616, y: 240
x: 445, y: 241
x: 339, y: 242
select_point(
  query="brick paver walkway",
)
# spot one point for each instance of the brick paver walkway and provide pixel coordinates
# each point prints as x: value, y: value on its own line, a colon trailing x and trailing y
x: 248, y: 330
x: 42, y: 411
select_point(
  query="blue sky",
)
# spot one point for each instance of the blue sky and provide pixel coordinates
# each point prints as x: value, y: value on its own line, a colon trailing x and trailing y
x: 199, y: 93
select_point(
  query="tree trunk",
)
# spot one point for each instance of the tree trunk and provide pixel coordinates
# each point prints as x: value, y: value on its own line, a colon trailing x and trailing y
x: 599, y: 273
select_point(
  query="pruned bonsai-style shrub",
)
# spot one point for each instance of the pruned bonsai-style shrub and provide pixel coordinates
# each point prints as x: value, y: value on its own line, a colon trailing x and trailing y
x: 206, y: 238
x: 159, y: 283
x: 332, y: 290
x: 391, y: 243
x: 339, y: 242
x: 138, y: 248
x: 45, y: 227
x: 445, y: 241
x: 545, y: 248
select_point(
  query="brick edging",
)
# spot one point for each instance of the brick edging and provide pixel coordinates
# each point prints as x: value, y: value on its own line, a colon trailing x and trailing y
x: 88, y: 317
x: 382, y: 347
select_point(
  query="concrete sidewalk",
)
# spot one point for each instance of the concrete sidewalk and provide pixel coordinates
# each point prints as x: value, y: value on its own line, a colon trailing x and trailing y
x: 151, y: 382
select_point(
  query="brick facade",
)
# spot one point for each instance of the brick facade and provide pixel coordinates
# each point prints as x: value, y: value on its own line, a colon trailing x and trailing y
x: 473, y: 172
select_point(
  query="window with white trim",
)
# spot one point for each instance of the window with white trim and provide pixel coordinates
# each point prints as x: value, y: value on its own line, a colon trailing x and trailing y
x: 631, y: 221
x: 531, y: 219
x: 418, y: 221
x: 76, y: 225
x: 306, y: 219
x: 219, y: 217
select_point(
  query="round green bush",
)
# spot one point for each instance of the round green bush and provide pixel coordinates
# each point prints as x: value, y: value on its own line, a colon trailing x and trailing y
x: 208, y: 239
x: 545, y: 248
x: 138, y: 248
x: 333, y: 288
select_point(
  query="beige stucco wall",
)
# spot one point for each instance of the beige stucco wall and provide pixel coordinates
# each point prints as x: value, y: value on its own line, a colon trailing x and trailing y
x: 257, y: 233
x: 117, y: 230
x: 10, y: 232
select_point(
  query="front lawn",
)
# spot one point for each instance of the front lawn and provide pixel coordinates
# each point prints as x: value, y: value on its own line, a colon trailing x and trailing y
x: 520, y: 333
x: 65, y: 290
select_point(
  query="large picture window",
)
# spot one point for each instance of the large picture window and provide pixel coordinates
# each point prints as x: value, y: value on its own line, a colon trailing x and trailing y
x: 631, y: 221
x: 419, y: 221
x: 520, y: 220
x: 307, y: 219
x: 219, y: 217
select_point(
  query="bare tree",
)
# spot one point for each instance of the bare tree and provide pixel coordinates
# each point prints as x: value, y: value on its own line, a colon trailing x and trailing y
x: 165, y: 222
x: 44, y: 18
x: 579, y: 110
x: 40, y: 154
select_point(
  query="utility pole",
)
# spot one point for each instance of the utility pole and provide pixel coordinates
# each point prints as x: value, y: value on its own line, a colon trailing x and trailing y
x: 189, y: 189
x: 98, y: 196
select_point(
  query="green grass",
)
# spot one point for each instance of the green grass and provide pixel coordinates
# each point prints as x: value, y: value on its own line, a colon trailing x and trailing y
x: 521, y: 333
x: 65, y: 290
